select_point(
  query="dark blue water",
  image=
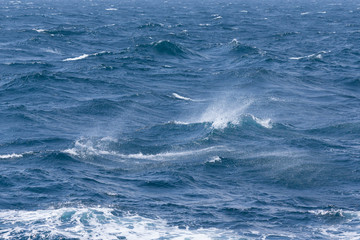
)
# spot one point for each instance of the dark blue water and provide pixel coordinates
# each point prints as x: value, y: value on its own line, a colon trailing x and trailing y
x: 164, y: 120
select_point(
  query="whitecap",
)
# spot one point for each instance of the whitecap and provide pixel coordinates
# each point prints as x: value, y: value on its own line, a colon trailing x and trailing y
x: 85, y: 147
x: 111, y: 9
x: 181, y: 97
x: 296, y: 58
x: 13, y: 155
x: 331, y: 212
x: 234, y: 41
x: 314, y: 55
x: 304, y: 13
x: 39, y: 30
x: 218, y: 17
x: 96, y: 223
x: 76, y: 58
x: 214, y: 159
x: 85, y: 56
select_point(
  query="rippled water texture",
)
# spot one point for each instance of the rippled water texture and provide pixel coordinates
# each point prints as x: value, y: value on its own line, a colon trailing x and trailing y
x: 179, y: 120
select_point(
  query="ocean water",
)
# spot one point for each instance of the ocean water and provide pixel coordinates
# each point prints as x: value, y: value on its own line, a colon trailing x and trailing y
x: 208, y: 119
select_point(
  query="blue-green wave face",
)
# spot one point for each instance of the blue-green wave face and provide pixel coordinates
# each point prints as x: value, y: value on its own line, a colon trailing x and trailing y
x: 179, y: 119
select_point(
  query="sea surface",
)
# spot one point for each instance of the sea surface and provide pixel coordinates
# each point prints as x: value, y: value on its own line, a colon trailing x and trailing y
x: 208, y: 119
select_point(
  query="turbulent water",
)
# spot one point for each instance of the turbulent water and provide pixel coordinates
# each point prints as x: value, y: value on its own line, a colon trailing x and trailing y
x: 208, y: 119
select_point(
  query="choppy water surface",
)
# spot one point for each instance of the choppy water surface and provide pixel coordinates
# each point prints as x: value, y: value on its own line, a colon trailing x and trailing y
x: 164, y: 120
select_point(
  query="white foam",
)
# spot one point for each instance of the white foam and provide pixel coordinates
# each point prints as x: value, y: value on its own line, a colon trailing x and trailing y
x: 331, y: 212
x: 76, y: 58
x: 217, y: 17
x: 181, y: 97
x: 111, y: 9
x: 13, y: 155
x: 266, y: 123
x: 304, y: 13
x: 96, y: 223
x: 349, y: 229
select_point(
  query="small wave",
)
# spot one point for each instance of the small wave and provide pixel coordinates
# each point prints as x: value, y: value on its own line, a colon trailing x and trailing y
x: 181, y: 97
x: 111, y: 9
x: 13, y: 155
x: 238, y: 47
x: 95, y: 223
x: 304, y: 13
x: 167, y: 47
